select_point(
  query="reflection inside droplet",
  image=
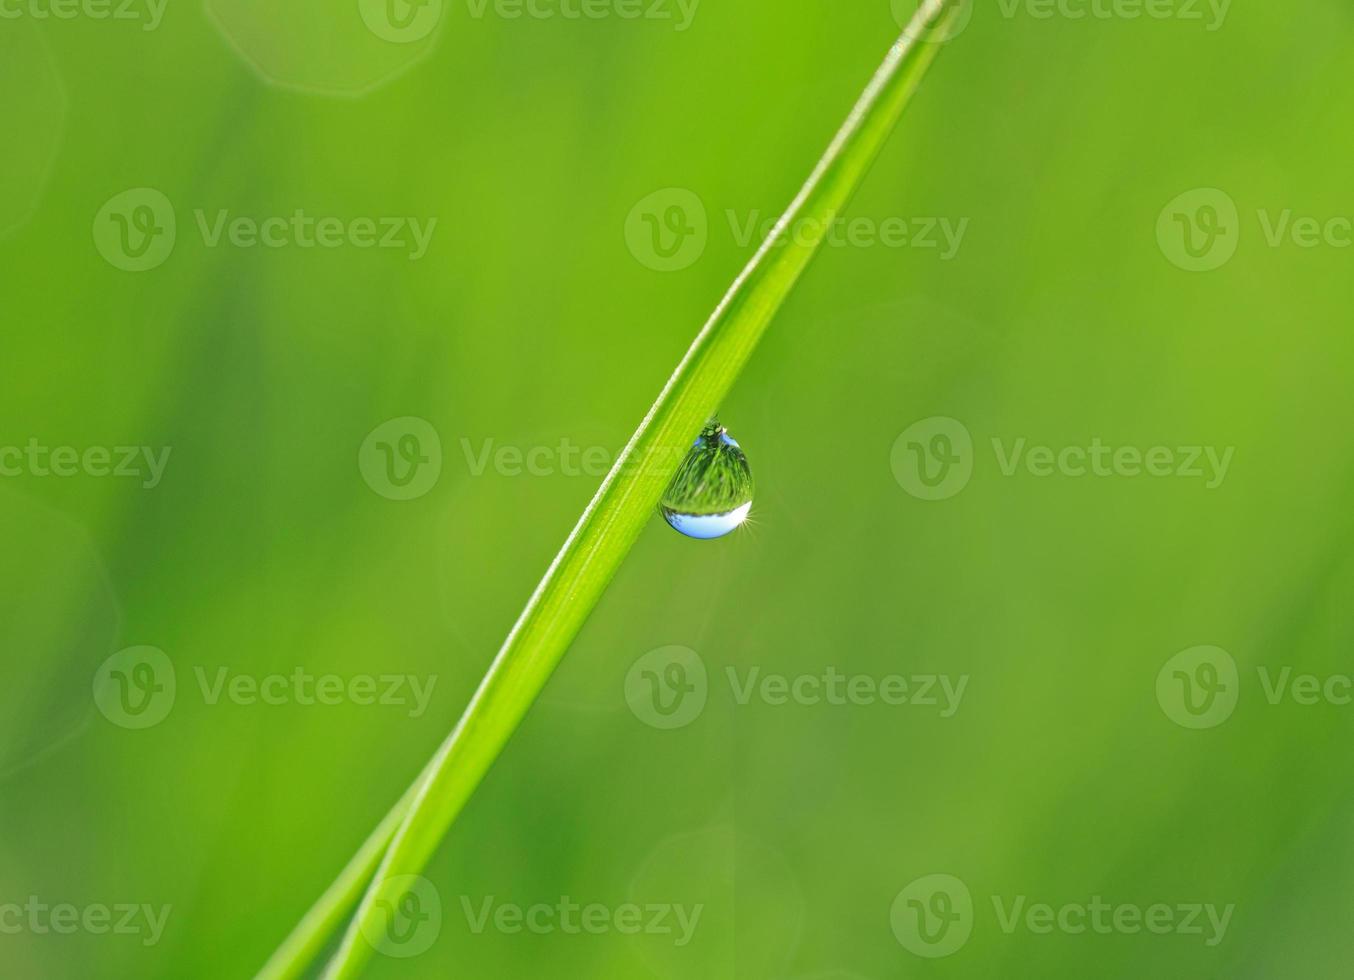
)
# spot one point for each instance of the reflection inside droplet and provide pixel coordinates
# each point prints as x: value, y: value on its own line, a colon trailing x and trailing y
x: 711, y: 493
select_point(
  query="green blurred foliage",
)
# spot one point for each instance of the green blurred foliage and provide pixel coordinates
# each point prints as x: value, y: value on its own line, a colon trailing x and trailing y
x: 1059, y: 319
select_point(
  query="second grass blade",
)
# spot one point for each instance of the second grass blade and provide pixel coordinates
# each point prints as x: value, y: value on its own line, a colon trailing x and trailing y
x: 627, y: 499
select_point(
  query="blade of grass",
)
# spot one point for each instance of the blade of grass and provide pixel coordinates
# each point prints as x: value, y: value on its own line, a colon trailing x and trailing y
x: 618, y: 512
x: 323, y: 919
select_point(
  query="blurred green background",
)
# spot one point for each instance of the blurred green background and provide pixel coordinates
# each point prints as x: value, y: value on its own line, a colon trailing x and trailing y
x: 273, y: 540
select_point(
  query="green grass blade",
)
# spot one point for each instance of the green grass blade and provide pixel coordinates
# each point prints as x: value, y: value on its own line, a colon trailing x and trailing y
x: 323, y: 919
x: 624, y: 503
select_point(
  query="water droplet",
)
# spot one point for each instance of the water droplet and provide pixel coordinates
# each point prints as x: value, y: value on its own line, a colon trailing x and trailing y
x: 712, y: 491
